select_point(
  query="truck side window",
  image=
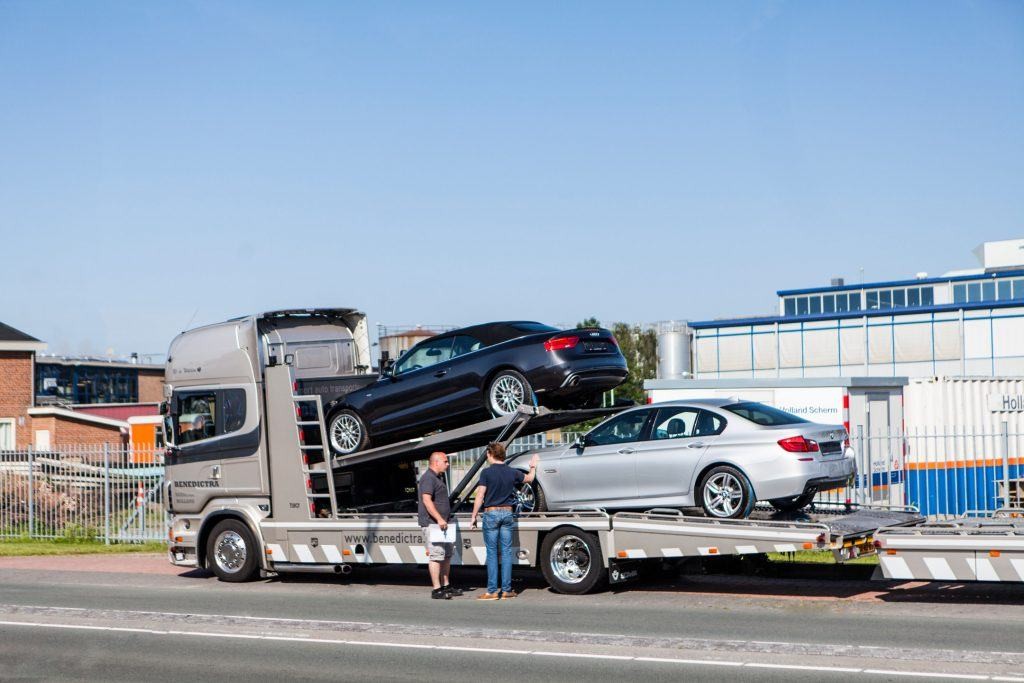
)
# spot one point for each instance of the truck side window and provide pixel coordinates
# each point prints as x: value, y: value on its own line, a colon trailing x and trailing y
x: 234, y: 410
x: 196, y: 416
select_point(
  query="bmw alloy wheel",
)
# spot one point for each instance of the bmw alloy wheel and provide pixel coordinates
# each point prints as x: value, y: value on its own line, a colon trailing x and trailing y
x: 507, y: 394
x: 229, y: 552
x: 570, y: 559
x: 346, y: 433
x: 723, y: 494
x: 526, y: 501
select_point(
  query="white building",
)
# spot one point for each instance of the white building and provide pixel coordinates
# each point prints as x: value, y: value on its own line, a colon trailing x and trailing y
x: 968, y: 322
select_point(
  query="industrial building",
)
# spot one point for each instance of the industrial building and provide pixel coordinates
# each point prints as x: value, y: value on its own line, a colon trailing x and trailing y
x: 966, y: 322
x: 46, y: 401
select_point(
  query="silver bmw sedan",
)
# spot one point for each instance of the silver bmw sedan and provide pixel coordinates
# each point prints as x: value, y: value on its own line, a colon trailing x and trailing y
x: 720, y: 454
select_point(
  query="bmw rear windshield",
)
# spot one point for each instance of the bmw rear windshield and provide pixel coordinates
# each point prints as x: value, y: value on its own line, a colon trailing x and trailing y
x: 763, y: 415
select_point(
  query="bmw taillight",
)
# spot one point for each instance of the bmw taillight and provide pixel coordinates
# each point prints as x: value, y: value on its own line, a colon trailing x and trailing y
x: 559, y: 343
x: 798, y: 444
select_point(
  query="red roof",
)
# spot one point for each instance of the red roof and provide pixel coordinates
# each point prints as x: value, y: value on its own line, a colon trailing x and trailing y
x: 119, y: 412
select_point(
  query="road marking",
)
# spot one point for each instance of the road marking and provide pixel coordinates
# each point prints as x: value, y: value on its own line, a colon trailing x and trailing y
x: 484, y: 650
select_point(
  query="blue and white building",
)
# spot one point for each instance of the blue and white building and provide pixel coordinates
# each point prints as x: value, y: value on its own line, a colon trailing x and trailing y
x: 963, y: 323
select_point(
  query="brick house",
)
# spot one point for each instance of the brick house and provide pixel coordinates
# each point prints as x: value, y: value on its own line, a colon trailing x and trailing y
x: 17, y: 368
x: 47, y: 402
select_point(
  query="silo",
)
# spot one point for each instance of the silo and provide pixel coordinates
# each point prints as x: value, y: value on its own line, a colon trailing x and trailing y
x: 673, y: 350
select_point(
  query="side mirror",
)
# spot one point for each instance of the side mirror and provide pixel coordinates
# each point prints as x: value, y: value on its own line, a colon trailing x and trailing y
x: 165, y: 408
x: 580, y: 443
x: 387, y: 368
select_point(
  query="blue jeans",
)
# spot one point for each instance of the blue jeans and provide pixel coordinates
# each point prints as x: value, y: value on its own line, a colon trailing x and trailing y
x: 498, y: 528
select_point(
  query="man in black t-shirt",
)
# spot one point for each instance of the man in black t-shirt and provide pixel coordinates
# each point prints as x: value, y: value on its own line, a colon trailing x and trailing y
x: 496, y: 494
x: 434, y: 510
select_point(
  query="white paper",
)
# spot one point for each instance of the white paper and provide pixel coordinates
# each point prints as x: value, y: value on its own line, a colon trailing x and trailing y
x: 438, y: 536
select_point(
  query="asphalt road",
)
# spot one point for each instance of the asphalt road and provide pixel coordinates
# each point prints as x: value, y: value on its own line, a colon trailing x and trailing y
x: 115, y: 618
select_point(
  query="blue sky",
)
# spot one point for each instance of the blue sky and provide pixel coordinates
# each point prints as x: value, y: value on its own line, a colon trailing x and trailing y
x: 454, y: 163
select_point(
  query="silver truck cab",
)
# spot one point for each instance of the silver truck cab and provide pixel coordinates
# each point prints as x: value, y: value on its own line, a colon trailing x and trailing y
x: 215, y: 403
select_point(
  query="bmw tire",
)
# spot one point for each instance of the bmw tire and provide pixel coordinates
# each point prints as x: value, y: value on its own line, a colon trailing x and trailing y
x: 726, y: 493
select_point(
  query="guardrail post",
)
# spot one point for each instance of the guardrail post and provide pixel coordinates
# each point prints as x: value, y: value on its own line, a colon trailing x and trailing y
x: 865, y: 458
x: 106, y: 494
x: 1005, y: 434
x: 31, y: 493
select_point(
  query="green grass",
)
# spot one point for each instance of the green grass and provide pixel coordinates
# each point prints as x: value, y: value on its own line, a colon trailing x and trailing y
x: 18, y: 547
x: 817, y: 557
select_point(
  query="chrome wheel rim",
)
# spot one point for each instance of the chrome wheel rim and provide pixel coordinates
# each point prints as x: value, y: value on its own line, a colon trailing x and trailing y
x: 346, y: 433
x: 507, y: 394
x: 229, y: 552
x: 723, y: 495
x: 525, y: 500
x: 570, y: 559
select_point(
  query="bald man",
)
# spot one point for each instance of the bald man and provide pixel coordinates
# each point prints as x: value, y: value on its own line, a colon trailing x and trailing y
x: 434, y: 510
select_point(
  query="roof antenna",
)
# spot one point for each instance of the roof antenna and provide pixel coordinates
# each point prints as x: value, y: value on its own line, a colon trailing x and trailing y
x: 194, y: 314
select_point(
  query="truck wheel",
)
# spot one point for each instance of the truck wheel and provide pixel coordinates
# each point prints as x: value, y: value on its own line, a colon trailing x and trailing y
x: 793, y: 504
x: 347, y: 432
x: 507, y: 391
x: 530, y: 498
x: 725, y: 493
x: 231, y: 551
x: 571, y: 561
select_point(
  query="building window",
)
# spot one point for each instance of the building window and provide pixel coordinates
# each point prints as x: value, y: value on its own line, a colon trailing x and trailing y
x: 814, y: 305
x: 872, y: 301
x: 899, y: 298
x: 790, y: 306
x: 1005, y: 289
x: 828, y: 303
x: 988, y: 291
x: 959, y: 294
x: 801, y: 306
x: 855, y: 301
x: 841, y: 299
x: 927, y: 296
x: 1018, y: 289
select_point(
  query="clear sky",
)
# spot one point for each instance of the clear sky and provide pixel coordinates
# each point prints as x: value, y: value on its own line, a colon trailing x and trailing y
x: 163, y: 163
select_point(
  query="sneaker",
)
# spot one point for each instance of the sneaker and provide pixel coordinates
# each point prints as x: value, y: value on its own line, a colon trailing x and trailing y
x: 488, y: 596
x: 508, y: 595
x: 452, y: 590
x: 440, y: 594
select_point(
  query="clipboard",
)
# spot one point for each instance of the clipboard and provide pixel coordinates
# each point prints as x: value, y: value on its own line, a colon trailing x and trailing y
x: 446, y: 536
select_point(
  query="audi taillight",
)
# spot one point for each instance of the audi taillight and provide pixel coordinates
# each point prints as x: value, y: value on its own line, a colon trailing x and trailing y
x: 613, y: 340
x: 798, y: 444
x: 559, y: 343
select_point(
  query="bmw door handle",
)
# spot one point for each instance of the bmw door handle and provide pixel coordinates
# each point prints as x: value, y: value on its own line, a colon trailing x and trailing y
x: 440, y: 373
x: 626, y: 451
x: 695, y: 445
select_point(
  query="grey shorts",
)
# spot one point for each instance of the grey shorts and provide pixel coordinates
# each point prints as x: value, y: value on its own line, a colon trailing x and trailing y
x: 437, y: 552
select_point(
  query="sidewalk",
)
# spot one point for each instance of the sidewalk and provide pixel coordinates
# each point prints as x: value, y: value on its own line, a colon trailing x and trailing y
x: 122, y: 563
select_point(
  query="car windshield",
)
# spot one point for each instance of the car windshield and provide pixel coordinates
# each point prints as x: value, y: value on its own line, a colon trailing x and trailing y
x: 766, y: 416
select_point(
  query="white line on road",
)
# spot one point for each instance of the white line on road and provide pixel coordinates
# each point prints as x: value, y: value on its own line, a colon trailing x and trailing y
x: 483, y: 650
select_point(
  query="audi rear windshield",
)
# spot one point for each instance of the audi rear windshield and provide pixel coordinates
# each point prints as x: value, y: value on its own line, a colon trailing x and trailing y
x: 763, y: 415
x: 532, y: 328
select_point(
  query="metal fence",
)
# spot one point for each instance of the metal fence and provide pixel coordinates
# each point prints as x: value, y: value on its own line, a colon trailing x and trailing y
x: 114, y: 494
x: 106, y: 493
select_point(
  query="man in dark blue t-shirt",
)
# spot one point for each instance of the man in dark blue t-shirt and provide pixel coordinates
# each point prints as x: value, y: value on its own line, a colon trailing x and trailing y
x: 496, y: 494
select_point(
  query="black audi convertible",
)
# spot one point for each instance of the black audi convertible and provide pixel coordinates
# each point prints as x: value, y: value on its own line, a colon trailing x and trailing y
x: 459, y: 377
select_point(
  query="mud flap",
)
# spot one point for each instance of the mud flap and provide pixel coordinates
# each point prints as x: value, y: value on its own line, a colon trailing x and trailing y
x: 621, y: 572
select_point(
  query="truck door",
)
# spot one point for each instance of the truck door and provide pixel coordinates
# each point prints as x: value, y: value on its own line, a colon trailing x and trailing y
x: 215, y: 446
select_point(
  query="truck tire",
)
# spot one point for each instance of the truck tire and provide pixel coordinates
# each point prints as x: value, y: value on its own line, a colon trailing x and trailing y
x: 507, y: 391
x: 726, y: 493
x: 794, y: 503
x: 346, y: 432
x: 571, y: 561
x: 231, y: 552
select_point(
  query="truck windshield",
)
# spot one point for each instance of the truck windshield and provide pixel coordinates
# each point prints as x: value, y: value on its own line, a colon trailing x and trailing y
x: 766, y: 416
